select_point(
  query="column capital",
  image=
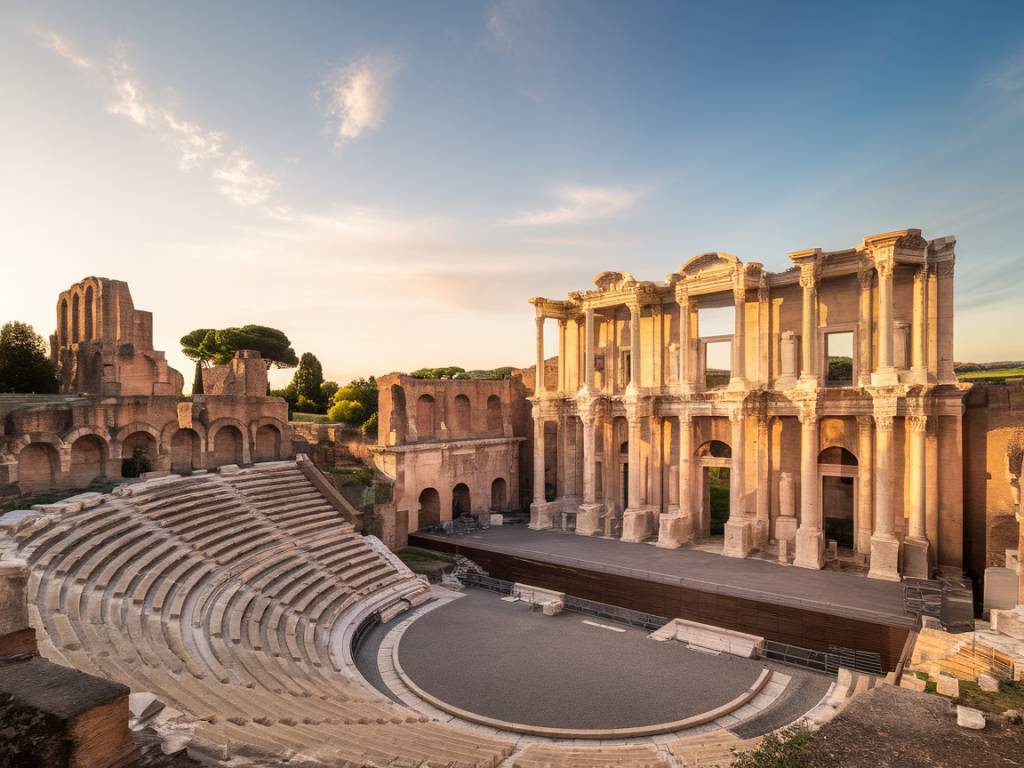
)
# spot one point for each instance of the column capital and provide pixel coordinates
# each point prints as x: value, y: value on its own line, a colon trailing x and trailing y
x: 866, y: 276
x: 562, y: 322
x: 739, y: 291
x: 686, y: 418
x: 808, y: 276
x: 865, y: 422
x: 884, y: 423
x: 737, y: 415
x: 917, y: 423
x: 885, y: 267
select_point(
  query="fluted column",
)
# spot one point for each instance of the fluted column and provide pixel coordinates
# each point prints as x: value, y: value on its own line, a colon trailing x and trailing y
x: 810, y: 540
x: 865, y: 486
x: 685, y: 364
x: 634, y: 346
x: 866, y: 279
x: 885, y: 547
x: 738, y: 533
x: 588, y: 515
x: 588, y: 347
x: 915, y: 547
x: 886, y: 324
x: 540, y: 513
x: 562, y: 367
x: 633, y: 495
x: 539, y: 381
x: 919, y: 328
x: 809, y: 332
x: 686, y: 473
x: 737, y: 379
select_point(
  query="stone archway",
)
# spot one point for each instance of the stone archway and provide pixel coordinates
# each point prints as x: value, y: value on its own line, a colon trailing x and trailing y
x: 38, y: 466
x: 499, y: 495
x: 462, y: 505
x: 461, y: 416
x: 429, y: 513
x: 185, y: 451
x: 227, y: 446
x: 88, y: 460
x: 838, y: 470
x: 425, y: 417
x: 714, y: 458
x: 268, y: 443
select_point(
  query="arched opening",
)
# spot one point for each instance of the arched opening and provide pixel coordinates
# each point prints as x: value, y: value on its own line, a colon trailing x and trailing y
x: 714, y: 458
x: 227, y: 446
x: 268, y: 443
x: 88, y: 313
x: 551, y: 458
x: 429, y: 513
x: 185, y: 454
x: 63, y: 325
x: 499, y: 494
x: 138, y: 453
x: 398, y: 414
x: 88, y: 459
x: 624, y: 474
x: 425, y: 417
x: 461, y: 505
x: 461, y: 416
x: 74, y: 319
x: 494, y: 417
x: 38, y: 464
x: 838, y: 470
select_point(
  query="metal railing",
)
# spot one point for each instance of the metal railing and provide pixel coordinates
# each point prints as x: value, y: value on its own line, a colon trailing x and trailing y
x: 828, y: 661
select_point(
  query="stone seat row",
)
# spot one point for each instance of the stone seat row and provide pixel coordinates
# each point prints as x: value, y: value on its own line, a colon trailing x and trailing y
x: 242, y: 642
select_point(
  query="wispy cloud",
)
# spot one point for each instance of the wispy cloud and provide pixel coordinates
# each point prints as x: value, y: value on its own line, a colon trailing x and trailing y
x: 356, y: 97
x: 236, y: 176
x: 504, y: 20
x: 1008, y: 77
x: 581, y: 203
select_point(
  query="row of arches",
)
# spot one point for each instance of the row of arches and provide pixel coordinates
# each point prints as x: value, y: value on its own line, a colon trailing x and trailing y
x: 428, y: 512
x: 430, y: 416
x: 89, y: 454
x: 80, y: 318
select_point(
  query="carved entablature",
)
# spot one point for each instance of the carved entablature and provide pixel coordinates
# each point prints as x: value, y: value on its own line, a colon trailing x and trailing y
x: 905, y: 246
x: 560, y: 310
x: 717, y: 273
x: 612, y: 281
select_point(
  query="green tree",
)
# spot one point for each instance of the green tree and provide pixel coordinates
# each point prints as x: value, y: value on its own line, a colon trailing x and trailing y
x: 327, y: 392
x: 197, y: 346
x: 308, y: 379
x: 450, y: 372
x: 24, y: 366
x: 212, y: 346
x: 349, y: 412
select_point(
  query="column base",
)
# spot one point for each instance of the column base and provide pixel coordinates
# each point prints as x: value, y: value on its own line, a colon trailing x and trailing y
x: 542, y: 515
x: 862, y: 542
x: 738, y: 384
x: 885, y: 377
x: 885, y: 558
x: 738, y: 538
x: 674, y: 530
x: 588, y: 519
x: 915, y: 558
x: 810, y: 549
x: 785, y: 382
x: 807, y: 381
x: 785, y: 530
x: 636, y: 524
x: 761, y: 532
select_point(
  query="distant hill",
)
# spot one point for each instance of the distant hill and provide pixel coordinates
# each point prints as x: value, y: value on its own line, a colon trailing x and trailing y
x: 991, y: 372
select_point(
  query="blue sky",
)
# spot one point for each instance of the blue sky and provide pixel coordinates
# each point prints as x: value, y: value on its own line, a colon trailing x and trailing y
x: 390, y: 182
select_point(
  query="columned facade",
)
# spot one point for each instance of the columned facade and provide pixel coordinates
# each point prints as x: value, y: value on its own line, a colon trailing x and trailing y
x: 837, y: 396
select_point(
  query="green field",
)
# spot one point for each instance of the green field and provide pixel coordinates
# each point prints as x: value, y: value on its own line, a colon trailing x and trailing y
x: 994, y: 375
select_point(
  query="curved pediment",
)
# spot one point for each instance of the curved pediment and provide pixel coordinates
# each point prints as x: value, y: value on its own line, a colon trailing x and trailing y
x: 611, y: 281
x: 709, y: 261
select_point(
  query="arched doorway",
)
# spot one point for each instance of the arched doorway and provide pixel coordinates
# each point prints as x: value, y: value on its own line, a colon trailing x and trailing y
x: 138, y: 453
x: 429, y: 513
x: 461, y: 416
x: 38, y: 464
x: 227, y: 446
x: 499, y: 494
x: 268, y: 443
x: 425, y: 417
x: 88, y: 460
x: 838, y: 470
x: 398, y: 416
x: 494, y: 418
x: 715, y: 461
x: 185, y: 454
x: 461, y: 504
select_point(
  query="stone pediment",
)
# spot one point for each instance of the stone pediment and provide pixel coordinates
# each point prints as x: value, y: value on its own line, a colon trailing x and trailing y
x: 613, y: 281
x: 710, y: 262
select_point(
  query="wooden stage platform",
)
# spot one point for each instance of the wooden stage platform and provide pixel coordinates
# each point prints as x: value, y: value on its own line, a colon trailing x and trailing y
x: 806, y: 608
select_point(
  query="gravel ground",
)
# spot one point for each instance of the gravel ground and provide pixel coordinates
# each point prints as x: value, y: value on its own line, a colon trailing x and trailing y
x: 505, y: 661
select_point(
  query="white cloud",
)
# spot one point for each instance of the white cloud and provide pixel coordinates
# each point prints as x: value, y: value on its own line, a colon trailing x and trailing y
x: 237, y: 177
x: 504, y: 20
x: 581, y: 203
x: 356, y: 97
x: 64, y: 49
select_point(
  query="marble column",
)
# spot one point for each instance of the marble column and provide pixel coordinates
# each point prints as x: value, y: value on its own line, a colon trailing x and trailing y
x: 657, y: 449
x: 539, y: 380
x: 738, y: 533
x: 563, y: 369
x: 810, y: 540
x: 762, y: 522
x: 738, y: 379
x: 865, y: 488
x: 588, y: 347
x: 540, y: 513
x: 866, y: 279
x: 915, y: 546
x: 944, y: 320
x: 588, y: 516
x: 633, y: 495
x: 686, y: 474
x: 809, y: 330
x: 685, y: 363
x: 919, y: 328
x: 634, y: 346
x: 885, y: 547
x: 886, y: 372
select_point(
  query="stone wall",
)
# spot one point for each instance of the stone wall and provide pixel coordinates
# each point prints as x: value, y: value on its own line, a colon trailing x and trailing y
x: 246, y: 374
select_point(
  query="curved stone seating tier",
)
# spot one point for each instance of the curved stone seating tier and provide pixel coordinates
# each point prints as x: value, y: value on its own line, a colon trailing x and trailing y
x: 221, y: 595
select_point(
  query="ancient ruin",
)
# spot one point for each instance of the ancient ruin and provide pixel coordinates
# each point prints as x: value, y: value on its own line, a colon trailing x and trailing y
x: 119, y: 396
x: 833, y: 412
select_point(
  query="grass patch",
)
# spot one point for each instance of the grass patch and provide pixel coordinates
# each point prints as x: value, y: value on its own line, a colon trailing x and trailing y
x: 50, y: 497
x: 427, y: 562
x: 995, y: 376
x: 313, y: 418
x: 1009, y: 696
x: 787, y: 749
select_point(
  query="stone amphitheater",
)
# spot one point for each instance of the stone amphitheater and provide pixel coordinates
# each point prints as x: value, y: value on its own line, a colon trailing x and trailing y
x: 238, y: 599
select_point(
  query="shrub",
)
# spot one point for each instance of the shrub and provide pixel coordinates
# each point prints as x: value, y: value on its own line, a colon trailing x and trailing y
x: 369, y: 427
x: 783, y: 749
x: 350, y: 412
x: 137, y: 464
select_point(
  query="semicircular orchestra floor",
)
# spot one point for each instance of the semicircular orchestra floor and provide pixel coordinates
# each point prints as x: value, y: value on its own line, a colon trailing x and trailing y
x: 508, y: 662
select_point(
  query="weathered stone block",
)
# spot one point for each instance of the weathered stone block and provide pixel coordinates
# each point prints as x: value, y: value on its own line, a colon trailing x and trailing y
x: 967, y: 717
x: 588, y: 519
x: 738, y: 538
x: 636, y: 525
x: 947, y: 685
x: 912, y: 682
x: 885, y: 555
x: 496, y: 519
x: 810, y: 549
x: 988, y: 682
x: 1000, y: 588
x: 915, y: 558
